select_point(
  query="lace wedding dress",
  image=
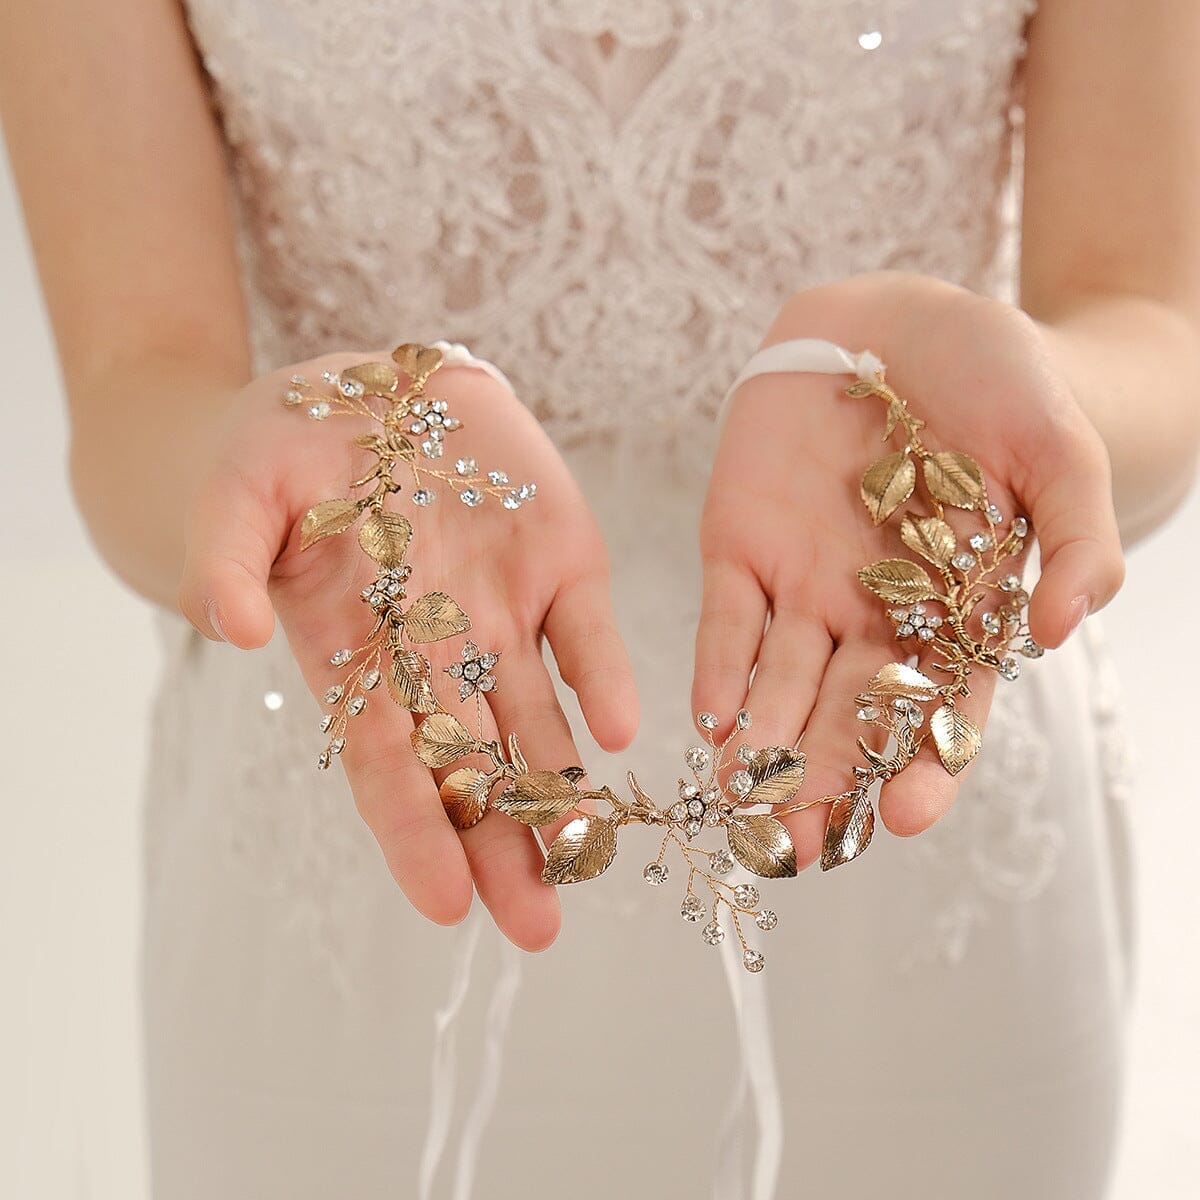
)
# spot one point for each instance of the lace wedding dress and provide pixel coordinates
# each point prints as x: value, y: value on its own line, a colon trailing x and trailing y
x: 611, y: 200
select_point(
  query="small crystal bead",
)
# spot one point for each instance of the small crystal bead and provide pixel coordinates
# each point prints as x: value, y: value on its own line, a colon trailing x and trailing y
x: 496, y: 478
x: 1032, y: 649
x: 326, y: 721
x: 692, y: 826
x: 298, y: 380
x: 926, y: 634
x: 743, y: 720
x: 994, y: 514
x: 293, y: 398
x: 432, y: 448
x: 688, y: 791
x: 692, y: 908
x: 898, y: 614
x: 334, y: 694
x: 472, y: 497
x: 766, y: 919
x: 721, y: 862
x: 418, y: 427
x: 707, y: 720
x: 466, y: 466
x: 916, y: 620
x: 753, y: 961
x: 918, y: 609
x: 711, y: 795
x: 340, y: 657
x: 740, y: 783
x: 696, y: 758
x: 655, y: 873
x: 1020, y: 526
x: 511, y: 501
x: 337, y: 745
x: 933, y: 622
x: 424, y: 497
x: 900, y: 704
x: 981, y: 541
x: 868, y: 712
x: 991, y: 622
x: 916, y: 716
x: 745, y: 755
x: 712, y: 815
x: 677, y: 811
x: 745, y: 895
x: 1010, y: 668
x: 356, y: 705
x: 695, y: 808
x: 329, y: 377
x: 351, y: 388
x: 1009, y: 583
x: 320, y: 411
x: 963, y: 561
x: 713, y: 934
x: 371, y: 679
x: 323, y: 761
x: 904, y: 629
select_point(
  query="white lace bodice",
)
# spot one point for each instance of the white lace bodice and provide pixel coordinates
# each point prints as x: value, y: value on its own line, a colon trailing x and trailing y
x: 644, y: 178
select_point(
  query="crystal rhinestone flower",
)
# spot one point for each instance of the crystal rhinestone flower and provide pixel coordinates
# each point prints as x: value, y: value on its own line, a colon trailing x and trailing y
x: 473, y: 673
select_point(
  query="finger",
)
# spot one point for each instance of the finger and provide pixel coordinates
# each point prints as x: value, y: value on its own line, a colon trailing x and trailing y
x: 506, y: 863
x: 795, y: 652
x: 234, y: 536
x: 830, y: 741
x: 592, y: 659
x: 733, y: 612
x: 923, y: 792
x: 1076, y: 525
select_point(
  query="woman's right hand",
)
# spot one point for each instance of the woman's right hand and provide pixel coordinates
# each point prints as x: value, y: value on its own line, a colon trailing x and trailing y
x: 516, y: 574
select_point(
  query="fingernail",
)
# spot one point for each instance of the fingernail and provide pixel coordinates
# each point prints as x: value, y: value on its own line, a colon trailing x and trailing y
x: 213, y: 616
x: 1076, y: 611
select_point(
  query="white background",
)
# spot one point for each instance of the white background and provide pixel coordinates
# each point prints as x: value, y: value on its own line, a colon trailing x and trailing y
x: 79, y: 660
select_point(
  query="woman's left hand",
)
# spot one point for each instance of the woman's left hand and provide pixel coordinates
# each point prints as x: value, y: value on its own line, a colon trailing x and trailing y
x: 785, y: 531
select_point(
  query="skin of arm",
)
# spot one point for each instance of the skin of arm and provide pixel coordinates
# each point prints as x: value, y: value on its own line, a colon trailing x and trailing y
x: 1110, y: 266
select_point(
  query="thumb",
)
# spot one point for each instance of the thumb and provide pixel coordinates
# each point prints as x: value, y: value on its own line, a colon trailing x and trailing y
x: 235, y: 533
x: 1072, y: 509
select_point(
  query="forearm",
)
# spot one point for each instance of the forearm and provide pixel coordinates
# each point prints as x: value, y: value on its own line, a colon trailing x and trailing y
x: 1133, y: 365
x: 140, y: 437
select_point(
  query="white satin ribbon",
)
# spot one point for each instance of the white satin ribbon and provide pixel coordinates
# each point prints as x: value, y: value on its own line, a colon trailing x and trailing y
x: 455, y: 354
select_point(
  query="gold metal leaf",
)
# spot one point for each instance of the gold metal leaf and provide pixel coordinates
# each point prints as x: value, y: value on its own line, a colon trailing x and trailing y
x: 897, y: 580
x: 434, y: 616
x: 848, y: 833
x: 899, y: 679
x: 584, y: 849
x: 777, y: 772
x: 327, y: 518
x: 372, y: 441
x: 762, y: 844
x: 515, y: 755
x: 416, y: 361
x: 887, y: 484
x: 537, y: 798
x: 860, y: 388
x: 956, y: 738
x: 441, y: 739
x: 930, y: 537
x: 642, y: 805
x: 378, y: 379
x: 573, y: 774
x: 410, y: 682
x: 385, y: 537
x: 464, y: 796
x: 955, y: 478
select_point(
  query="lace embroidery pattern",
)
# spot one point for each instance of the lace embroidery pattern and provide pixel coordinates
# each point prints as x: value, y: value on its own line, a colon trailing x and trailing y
x: 646, y: 178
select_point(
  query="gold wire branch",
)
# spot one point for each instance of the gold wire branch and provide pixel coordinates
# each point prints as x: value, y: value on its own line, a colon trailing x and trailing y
x: 936, y: 605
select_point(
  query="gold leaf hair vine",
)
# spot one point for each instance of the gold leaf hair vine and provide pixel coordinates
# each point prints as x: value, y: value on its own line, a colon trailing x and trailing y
x: 737, y: 789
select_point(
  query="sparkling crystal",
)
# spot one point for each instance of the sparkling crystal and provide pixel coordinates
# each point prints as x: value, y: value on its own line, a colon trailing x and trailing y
x: 926, y: 634
x: 918, y: 609
x: 655, y: 873
x: 1010, y: 668
x: 707, y: 720
x: 435, y: 432
x: 511, y: 501
x: 1032, y: 649
x: 467, y: 466
x: 721, y: 862
x: 329, y: 377
x: 434, y: 420
x: 334, y: 694
x: 743, y: 720
x: 740, y: 783
x: 488, y: 661
x: 323, y: 761
x: 527, y: 491
x: 711, y: 795
x: 933, y: 622
x: 293, y: 398
x: 487, y: 684
x: 991, y: 622
x: 356, y: 705
x: 712, y: 815
x: 339, y: 658
x: 417, y: 408
x: 898, y: 614
x: 450, y: 424
x: 471, y: 670
x: 868, y: 712
x: 439, y: 406
x: 350, y: 388
x: 900, y: 704
x: 298, y: 380
x: 692, y: 826
x: 371, y: 679
x: 745, y: 754
x: 916, y: 620
x: 904, y: 629
x: 497, y: 478
x: 713, y: 934
x: 677, y: 811
x: 431, y: 448
x: 1020, y: 526
x: 326, y: 721
x: 465, y: 689
x: 994, y: 514
x: 696, y: 758
x: 688, y: 791
x: 418, y: 427
x: 753, y: 961
x: 337, y: 745
x: 1010, y: 583
x: 766, y: 919
x: 916, y: 717
x: 963, y: 561
x: 378, y: 600
x: 745, y: 895
x: 695, y: 808
x: 692, y: 908
x: 980, y: 541
x: 320, y: 410
x: 472, y: 497
x: 424, y: 497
